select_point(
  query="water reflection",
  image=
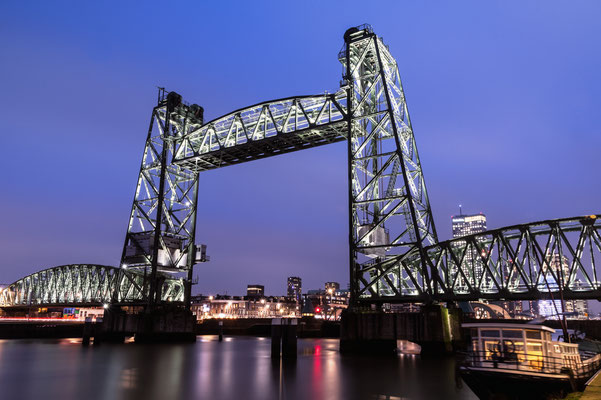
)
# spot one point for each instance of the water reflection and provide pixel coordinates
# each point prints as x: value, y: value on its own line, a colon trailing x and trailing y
x: 237, y: 368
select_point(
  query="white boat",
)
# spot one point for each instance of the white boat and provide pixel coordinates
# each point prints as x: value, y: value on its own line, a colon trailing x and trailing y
x: 522, y: 361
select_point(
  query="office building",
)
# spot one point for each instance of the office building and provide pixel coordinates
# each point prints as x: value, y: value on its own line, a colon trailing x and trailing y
x: 254, y: 291
x: 295, y: 286
x: 464, y: 225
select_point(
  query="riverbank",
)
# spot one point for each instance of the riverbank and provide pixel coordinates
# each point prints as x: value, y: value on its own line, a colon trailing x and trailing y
x: 261, y: 327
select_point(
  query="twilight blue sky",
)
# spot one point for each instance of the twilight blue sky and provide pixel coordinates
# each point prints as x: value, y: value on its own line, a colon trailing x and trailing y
x: 504, y: 97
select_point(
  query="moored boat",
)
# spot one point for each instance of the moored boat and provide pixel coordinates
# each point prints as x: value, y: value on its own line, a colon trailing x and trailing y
x: 522, y: 361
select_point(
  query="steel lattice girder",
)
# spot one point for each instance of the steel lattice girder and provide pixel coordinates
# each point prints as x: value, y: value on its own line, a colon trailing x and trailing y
x: 83, y: 285
x: 390, y: 211
x: 520, y: 262
x: 264, y: 130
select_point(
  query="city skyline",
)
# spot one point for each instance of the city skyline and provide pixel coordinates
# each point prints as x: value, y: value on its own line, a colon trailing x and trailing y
x: 287, y: 216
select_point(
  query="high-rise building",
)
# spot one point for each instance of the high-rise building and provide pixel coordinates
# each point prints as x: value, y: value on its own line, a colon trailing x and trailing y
x: 464, y: 225
x: 295, y: 288
x: 557, y: 266
x: 255, y: 291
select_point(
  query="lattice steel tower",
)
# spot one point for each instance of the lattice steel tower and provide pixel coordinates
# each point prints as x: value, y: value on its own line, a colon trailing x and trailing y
x: 389, y: 212
x: 160, y: 239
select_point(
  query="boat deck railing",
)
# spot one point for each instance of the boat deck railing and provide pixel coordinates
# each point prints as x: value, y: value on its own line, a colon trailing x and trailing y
x: 537, y: 363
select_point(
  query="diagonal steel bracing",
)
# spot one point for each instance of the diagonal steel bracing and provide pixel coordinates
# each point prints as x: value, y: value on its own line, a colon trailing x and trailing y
x: 389, y: 211
x: 393, y: 249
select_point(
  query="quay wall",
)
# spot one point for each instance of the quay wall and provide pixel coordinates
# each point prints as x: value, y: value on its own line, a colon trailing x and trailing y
x: 40, y: 330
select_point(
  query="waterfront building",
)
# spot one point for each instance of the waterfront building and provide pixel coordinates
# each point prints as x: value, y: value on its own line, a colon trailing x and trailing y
x: 255, y: 290
x: 294, y: 289
x: 326, y: 304
x: 231, y: 307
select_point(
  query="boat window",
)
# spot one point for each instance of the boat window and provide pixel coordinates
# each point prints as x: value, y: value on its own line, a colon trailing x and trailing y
x: 492, y: 349
x: 489, y: 333
x: 557, y: 348
x: 513, y: 351
x: 533, y: 334
x: 512, y: 333
x: 535, y: 354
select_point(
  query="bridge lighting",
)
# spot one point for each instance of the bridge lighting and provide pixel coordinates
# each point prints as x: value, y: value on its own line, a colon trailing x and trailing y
x: 106, y: 306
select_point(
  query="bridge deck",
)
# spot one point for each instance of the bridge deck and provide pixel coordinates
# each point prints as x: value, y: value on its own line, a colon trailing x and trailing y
x: 270, y: 146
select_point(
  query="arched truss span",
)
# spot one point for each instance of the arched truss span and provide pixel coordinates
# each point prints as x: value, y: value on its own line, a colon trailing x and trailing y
x: 82, y: 285
x: 264, y: 130
x: 520, y: 262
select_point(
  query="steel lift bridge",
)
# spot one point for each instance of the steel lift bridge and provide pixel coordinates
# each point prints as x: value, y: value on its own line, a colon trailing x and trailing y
x: 394, y: 251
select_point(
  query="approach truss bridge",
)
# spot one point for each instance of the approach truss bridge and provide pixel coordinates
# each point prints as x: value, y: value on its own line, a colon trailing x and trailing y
x: 81, y: 285
x: 394, y: 251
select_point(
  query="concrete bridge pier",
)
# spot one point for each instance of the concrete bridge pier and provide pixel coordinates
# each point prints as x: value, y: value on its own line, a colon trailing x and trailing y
x: 436, y: 329
x: 168, y: 323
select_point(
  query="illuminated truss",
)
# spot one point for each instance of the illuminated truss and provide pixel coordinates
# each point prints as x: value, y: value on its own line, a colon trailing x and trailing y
x: 160, y: 237
x: 264, y: 130
x: 521, y: 262
x: 394, y: 255
x: 83, y: 285
x: 390, y: 212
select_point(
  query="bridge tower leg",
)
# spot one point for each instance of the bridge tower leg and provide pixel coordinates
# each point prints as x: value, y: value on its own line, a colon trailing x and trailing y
x: 159, y: 245
x: 389, y: 211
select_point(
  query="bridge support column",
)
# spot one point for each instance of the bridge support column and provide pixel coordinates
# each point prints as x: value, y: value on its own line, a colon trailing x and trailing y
x: 166, y: 323
x: 436, y: 329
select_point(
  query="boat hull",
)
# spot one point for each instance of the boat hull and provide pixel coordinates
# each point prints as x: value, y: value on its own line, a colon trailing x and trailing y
x: 501, y: 385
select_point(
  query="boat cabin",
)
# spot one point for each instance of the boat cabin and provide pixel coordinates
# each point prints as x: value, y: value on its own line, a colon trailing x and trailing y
x: 522, y: 347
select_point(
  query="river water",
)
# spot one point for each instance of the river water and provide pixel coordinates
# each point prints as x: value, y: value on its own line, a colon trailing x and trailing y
x: 237, y: 368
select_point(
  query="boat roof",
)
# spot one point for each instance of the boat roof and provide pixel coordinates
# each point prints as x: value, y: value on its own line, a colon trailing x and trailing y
x: 506, y: 325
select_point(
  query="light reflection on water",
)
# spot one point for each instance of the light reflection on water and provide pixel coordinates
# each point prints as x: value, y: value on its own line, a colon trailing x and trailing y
x: 237, y: 368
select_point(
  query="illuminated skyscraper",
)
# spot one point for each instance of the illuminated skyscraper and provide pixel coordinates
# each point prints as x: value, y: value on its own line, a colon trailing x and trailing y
x: 295, y: 288
x: 464, y: 225
x: 560, y: 267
